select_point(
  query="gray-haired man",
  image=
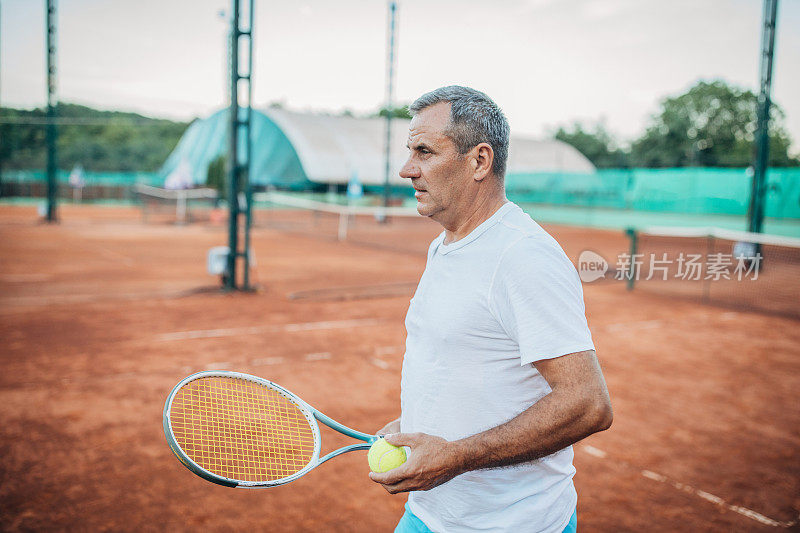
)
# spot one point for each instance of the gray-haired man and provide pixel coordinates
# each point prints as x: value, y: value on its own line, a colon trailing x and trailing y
x: 500, y: 368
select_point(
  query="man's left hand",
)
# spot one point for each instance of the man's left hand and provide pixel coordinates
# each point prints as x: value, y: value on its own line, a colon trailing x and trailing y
x: 432, y: 461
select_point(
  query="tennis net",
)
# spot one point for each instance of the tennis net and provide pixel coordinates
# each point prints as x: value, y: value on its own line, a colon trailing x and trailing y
x: 749, y: 271
x: 179, y: 206
x: 393, y: 228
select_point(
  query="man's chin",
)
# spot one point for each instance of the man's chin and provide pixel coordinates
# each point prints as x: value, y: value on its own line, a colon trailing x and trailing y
x: 425, y: 209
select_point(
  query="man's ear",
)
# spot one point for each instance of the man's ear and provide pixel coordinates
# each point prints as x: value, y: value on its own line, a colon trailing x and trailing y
x: 482, y: 161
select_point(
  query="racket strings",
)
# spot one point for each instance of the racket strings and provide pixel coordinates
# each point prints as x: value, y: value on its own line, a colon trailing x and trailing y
x: 241, y: 430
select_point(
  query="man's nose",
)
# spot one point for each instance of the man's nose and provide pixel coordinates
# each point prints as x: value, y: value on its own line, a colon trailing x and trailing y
x: 409, y: 170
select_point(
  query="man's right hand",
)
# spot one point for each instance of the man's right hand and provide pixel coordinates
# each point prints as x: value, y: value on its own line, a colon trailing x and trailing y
x: 391, y: 427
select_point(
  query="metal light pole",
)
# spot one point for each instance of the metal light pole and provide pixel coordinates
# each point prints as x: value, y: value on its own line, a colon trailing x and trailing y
x: 1, y: 70
x: 756, y: 211
x: 239, y: 162
x: 389, y: 105
x: 52, y: 132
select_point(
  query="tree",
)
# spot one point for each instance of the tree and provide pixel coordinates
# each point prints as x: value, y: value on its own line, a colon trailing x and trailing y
x: 712, y: 124
x: 97, y: 140
x: 215, y: 176
x: 598, y: 146
x: 397, y: 112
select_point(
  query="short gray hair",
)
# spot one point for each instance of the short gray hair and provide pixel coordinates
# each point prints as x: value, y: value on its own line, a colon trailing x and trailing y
x: 474, y: 119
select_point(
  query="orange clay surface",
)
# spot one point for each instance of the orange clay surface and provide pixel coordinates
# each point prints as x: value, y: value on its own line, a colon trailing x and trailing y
x: 94, y: 315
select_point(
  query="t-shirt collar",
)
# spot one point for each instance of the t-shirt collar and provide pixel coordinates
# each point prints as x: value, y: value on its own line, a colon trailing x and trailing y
x: 477, y: 232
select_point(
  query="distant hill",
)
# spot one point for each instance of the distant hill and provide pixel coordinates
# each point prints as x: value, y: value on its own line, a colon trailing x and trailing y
x: 110, y: 141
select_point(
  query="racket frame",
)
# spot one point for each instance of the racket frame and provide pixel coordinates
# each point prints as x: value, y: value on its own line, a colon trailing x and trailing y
x: 311, y: 414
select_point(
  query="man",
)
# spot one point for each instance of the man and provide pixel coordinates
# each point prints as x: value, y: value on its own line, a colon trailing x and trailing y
x: 500, y: 376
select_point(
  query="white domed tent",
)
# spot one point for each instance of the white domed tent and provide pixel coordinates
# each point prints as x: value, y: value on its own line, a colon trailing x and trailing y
x: 307, y: 150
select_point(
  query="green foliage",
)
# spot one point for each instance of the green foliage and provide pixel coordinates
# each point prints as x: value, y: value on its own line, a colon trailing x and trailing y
x: 711, y: 125
x: 215, y: 176
x: 396, y: 112
x: 598, y: 146
x: 99, y: 140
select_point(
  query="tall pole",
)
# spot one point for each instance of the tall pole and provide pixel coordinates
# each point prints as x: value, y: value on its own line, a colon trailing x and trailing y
x: 238, y: 162
x: 1, y: 70
x: 52, y: 133
x: 756, y: 211
x: 233, y: 159
x: 248, y: 165
x: 389, y: 103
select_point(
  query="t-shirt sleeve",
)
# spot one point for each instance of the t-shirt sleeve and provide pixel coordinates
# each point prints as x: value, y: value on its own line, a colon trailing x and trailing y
x: 536, y: 296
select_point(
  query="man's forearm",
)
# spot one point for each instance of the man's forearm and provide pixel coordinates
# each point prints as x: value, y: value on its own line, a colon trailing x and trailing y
x: 577, y: 406
x: 556, y: 421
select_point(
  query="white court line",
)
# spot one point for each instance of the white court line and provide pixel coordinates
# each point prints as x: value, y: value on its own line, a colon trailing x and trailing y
x: 749, y: 513
x: 218, y: 366
x: 649, y: 474
x: 386, y: 350
x: 591, y: 450
x: 333, y: 324
x: 380, y: 364
x: 209, y: 333
x: 320, y: 356
x: 111, y: 377
x: 267, y: 361
x: 253, y: 330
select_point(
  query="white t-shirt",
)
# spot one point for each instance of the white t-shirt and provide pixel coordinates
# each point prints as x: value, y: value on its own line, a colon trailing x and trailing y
x: 486, y: 307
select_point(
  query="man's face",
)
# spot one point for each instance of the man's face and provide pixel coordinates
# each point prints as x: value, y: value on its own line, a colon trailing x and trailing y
x: 437, y: 171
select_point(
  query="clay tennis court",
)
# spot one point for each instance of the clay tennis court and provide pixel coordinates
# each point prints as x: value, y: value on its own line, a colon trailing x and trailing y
x: 101, y: 315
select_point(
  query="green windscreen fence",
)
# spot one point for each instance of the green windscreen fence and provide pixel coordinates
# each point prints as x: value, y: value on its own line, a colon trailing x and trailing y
x: 686, y: 191
x: 719, y: 191
x: 120, y: 179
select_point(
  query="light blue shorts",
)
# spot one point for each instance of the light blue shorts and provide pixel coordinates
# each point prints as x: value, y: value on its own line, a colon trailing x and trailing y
x: 409, y: 523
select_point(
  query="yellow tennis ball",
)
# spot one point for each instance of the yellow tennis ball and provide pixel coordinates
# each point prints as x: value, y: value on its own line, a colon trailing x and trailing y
x: 383, y: 456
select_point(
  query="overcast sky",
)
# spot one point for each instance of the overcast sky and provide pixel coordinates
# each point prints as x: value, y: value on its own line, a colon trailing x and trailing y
x: 546, y: 62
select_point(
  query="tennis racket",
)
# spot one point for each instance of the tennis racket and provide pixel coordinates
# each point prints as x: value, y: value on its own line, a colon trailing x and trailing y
x: 240, y: 430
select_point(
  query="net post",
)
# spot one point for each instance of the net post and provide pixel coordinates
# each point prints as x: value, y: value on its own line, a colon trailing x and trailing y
x: 631, y: 232
x: 706, y: 281
x: 343, y: 222
x: 145, y: 208
x: 181, y: 207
